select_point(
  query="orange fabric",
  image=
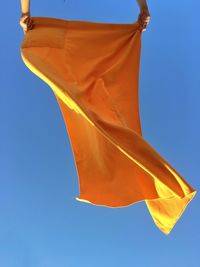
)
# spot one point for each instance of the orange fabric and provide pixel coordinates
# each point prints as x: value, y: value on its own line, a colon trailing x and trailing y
x: 93, y: 70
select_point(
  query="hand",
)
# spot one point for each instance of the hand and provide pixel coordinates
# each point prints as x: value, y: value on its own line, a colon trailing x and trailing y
x: 144, y: 18
x: 26, y: 22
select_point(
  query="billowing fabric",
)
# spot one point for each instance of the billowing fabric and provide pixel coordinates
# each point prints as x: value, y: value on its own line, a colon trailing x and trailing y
x: 93, y: 70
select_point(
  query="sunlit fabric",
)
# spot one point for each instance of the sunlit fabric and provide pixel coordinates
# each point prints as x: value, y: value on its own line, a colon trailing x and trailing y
x: 93, y: 70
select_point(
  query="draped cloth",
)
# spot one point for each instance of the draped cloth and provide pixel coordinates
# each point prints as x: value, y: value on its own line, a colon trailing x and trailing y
x: 93, y: 70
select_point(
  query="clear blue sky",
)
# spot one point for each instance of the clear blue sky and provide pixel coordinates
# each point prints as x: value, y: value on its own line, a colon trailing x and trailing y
x: 41, y: 223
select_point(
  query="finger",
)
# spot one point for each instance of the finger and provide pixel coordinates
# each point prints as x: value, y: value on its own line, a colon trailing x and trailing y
x: 30, y: 24
x: 146, y: 17
x: 142, y: 22
x: 26, y: 19
x: 31, y: 27
x: 145, y: 20
x: 144, y: 25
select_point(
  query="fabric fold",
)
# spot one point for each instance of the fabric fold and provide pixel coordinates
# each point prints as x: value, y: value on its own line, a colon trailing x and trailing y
x: 93, y: 70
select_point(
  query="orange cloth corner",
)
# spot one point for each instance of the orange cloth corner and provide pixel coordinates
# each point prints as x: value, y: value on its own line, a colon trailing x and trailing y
x: 93, y: 70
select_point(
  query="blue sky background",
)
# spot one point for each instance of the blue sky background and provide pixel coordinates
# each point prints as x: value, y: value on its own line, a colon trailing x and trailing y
x: 41, y: 223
